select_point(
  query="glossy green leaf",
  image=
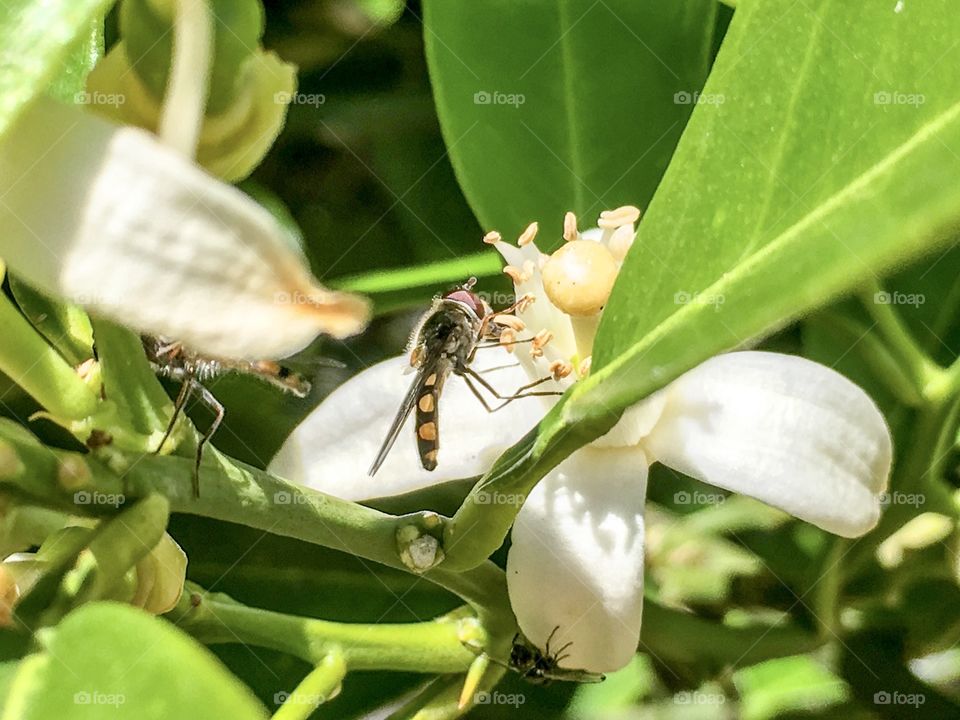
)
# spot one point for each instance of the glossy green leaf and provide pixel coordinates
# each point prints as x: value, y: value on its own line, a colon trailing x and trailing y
x: 552, y: 106
x: 36, y: 36
x: 112, y: 660
x: 819, y: 169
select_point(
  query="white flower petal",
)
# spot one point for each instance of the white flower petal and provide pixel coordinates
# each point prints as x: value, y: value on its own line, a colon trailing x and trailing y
x: 782, y: 429
x: 332, y: 449
x: 121, y: 224
x: 576, y: 563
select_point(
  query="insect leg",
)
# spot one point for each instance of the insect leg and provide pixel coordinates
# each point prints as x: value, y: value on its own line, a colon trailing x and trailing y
x: 211, y: 402
x: 485, y: 345
x: 186, y: 386
x: 521, y: 392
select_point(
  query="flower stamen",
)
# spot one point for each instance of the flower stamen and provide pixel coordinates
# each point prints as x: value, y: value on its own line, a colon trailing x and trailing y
x: 613, y: 219
x: 539, y: 342
x: 560, y: 369
x: 529, y: 234
x: 570, y: 231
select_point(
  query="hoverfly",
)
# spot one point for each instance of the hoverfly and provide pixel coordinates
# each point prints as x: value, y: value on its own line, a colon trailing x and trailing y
x: 444, y: 342
x: 541, y: 668
x: 170, y: 359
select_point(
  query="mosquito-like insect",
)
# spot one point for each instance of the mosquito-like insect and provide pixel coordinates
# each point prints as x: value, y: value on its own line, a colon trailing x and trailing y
x: 170, y: 359
x: 541, y: 668
x: 445, y: 341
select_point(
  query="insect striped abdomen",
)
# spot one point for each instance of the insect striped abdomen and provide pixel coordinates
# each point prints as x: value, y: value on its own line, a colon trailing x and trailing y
x: 427, y: 423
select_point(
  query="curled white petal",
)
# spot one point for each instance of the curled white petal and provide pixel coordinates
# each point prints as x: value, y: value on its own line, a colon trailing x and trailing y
x: 576, y: 562
x: 782, y: 429
x: 121, y: 224
x: 332, y: 449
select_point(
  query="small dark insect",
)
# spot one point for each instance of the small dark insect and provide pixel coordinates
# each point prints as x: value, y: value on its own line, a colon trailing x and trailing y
x: 445, y: 341
x: 541, y: 668
x: 170, y: 359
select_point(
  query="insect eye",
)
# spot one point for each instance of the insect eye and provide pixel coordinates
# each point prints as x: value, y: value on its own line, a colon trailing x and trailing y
x: 470, y: 299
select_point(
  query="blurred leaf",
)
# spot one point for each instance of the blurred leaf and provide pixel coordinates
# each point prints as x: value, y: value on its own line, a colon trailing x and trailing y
x: 382, y: 12
x: 65, y: 326
x: 816, y: 171
x: 554, y: 106
x: 618, y: 693
x: 108, y: 658
x: 35, y: 38
x: 776, y: 687
x: 72, y: 79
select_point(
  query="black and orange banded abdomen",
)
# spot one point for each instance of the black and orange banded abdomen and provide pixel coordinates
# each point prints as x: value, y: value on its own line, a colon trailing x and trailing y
x: 427, y: 422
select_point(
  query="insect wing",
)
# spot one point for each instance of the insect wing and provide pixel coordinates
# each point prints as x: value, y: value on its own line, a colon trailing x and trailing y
x: 426, y: 369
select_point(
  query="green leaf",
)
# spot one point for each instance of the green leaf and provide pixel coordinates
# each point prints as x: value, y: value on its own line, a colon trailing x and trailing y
x: 65, y: 326
x: 573, y: 105
x: 817, y: 171
x: 777, y: 687
x: 71, y: 83
x: 35, y: 38
x: 107, y: 659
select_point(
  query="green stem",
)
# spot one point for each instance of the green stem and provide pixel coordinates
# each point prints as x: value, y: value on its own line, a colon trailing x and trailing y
x: 426, y: 647
x: 39, y: 369
x: 915, y: 361
x: 239, y: 494
x: 826, y: 599
x: 917, y: 472
x: 320, y: 685
x: 885, y: 367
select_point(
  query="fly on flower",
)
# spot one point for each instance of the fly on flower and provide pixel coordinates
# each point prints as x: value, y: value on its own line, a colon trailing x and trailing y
x: 170, y: 359
x: 445, y: 341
